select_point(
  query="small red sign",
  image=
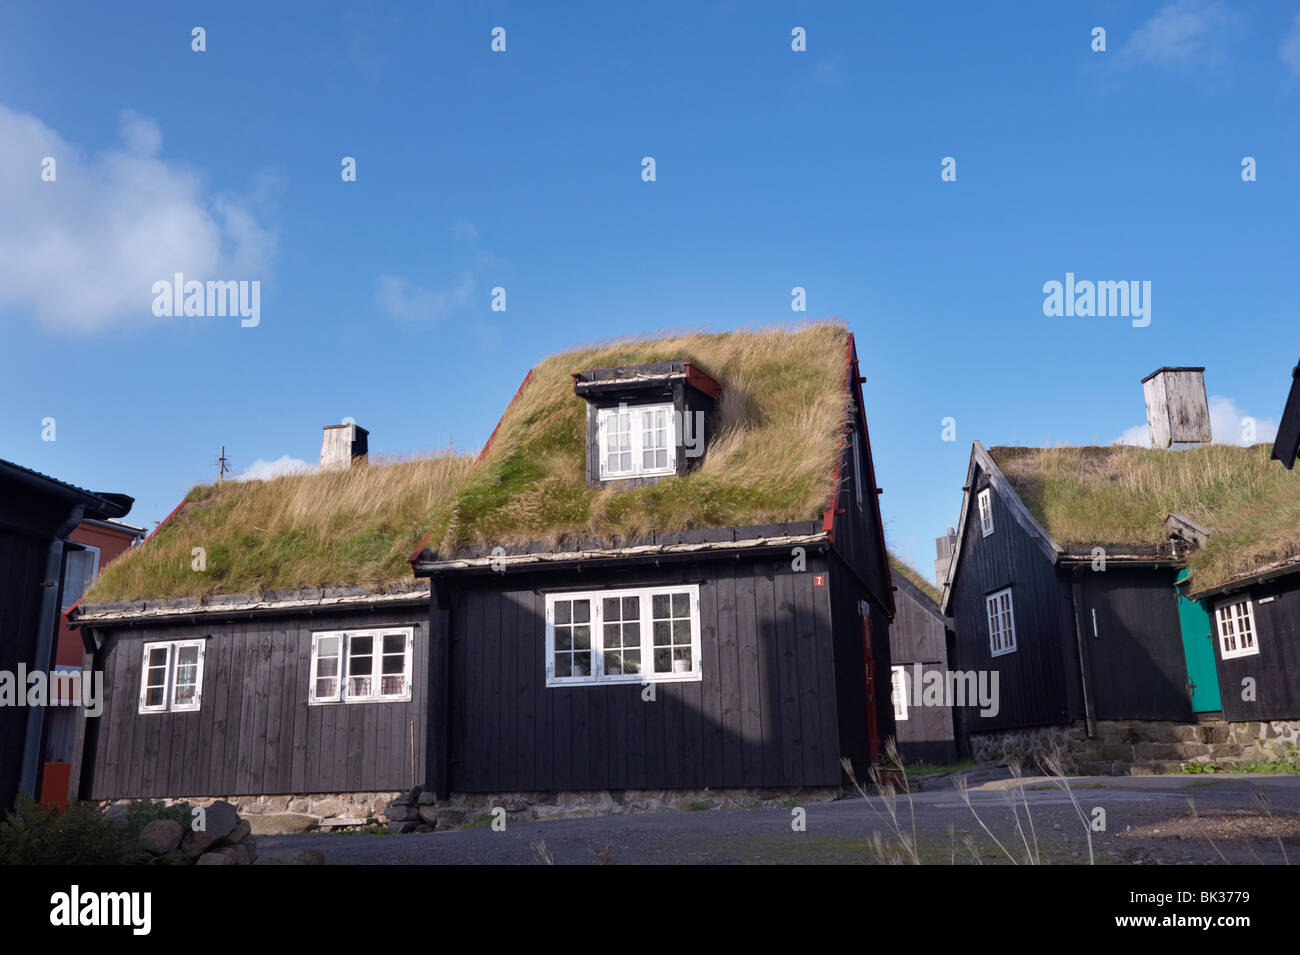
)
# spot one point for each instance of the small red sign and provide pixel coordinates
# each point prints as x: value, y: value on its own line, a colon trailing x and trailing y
x: 819, y: 580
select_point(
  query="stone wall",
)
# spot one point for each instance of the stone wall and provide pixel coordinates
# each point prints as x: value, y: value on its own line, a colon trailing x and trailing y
x: 1136, y: 747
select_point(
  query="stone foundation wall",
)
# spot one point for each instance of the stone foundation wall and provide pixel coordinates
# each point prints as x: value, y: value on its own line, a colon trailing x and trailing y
x: 1136, y: 747
x: 418, y: 811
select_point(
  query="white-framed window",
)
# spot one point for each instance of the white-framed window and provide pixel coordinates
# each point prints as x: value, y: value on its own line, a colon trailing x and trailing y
x: 361, y: 666
x: 1236, y: 620
x: 646, y: 635
x: 172, y: 676
x: 636, y: 441
x: 985, y: 499
x: 1002, y: 622
x: 80, y: 568
x: 898, y: 691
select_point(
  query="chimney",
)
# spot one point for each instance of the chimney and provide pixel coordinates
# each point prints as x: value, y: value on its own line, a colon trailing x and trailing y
x: 342, y: 446
x: 943, y: 548
x: 1177, y: 411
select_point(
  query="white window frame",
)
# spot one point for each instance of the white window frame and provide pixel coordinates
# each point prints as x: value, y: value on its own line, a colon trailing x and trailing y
x: 647, y: 675
x: 1006, y: 634
x: 898, y: 692
x: 1223, y: 614
x: 637, y: 435
x: 343, y: 691
x: 984, y: 501
x: 172, y: 661
x: 94, y: 552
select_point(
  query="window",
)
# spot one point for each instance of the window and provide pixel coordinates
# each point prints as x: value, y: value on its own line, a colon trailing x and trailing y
x: 898, y: 691
x: 623, y: 636
x: 172, y: 677
x: 361, y: 666
x: 1236, y: 619
x: 986, y: 511
x: 640, y: 441
x: 79, y: 571
x: 1002, y: 622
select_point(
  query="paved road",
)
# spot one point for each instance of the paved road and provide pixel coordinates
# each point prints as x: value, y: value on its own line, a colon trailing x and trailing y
x: 1147, y: 821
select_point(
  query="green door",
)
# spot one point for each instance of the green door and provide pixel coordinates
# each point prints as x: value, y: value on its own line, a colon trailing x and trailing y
x: 1198, y: 648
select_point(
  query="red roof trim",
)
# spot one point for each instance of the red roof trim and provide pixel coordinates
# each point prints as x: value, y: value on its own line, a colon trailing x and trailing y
x: 702, y: 381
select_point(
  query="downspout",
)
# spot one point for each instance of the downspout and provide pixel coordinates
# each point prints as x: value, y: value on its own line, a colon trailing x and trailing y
x: 46, y: 630
x: 1077, y: 592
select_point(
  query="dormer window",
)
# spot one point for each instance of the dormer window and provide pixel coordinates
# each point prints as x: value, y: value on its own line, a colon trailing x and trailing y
x: 645, y: 422
x: 986, y: 511
x: 638, y: 441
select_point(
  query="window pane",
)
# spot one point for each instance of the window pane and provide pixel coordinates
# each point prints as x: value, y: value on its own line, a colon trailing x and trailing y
x: 395, y: 643
x: 582, y: 664
x: 581, y: 611
x: 563, y: 611
x: 394, y: 664
x: 681, y: 605
x: 326, y: 686
x: 659, y: 606
x: 563, y: 664
x: 563, y: 638
x: 582, y: 638
x: 631, y: 608
x: 610, y: 608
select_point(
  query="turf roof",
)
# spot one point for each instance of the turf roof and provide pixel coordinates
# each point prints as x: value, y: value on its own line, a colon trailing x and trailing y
x: 914, y: 576
x: 1089, y: 496
x: 773, y: 442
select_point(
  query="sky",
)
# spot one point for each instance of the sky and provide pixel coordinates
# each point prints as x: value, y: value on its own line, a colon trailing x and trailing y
x: 522, y: 169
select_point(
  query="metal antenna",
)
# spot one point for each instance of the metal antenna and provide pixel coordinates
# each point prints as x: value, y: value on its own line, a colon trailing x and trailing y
x: 223, y: 464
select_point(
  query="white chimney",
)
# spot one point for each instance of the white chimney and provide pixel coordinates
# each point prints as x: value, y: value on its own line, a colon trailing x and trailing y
x: 1177, y: 411
x: 342, y: 446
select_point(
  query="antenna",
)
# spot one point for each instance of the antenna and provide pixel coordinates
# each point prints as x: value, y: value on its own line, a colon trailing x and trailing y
x: 223, y: 464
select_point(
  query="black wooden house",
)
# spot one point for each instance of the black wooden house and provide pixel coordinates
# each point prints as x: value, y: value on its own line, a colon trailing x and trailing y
x: 665, y: 570
x: 922, y: 646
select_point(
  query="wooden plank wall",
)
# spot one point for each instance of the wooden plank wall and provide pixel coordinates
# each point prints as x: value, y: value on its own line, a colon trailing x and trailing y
x: 255, y: 732
x: 22, y: 564
x: 763, y: 714
x: 919, y: 636
x: 1276, y: 668
x: 1033, y: 681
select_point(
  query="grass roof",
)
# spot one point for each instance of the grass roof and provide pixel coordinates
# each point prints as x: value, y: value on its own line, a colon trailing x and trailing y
x: 1093, y: 496
x: 915, y: 577
x: 338, y: 528
x: 773, y: 441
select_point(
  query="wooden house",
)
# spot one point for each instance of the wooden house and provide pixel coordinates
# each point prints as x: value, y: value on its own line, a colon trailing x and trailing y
x: 37, y: 516
x: 1078, y: 578
x: 921, y: 646
x: 665, y: 571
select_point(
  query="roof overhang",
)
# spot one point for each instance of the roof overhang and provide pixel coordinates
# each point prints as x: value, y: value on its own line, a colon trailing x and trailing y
x: 630, y: 381
x: 1286, y: 444
x: 1265, y: 575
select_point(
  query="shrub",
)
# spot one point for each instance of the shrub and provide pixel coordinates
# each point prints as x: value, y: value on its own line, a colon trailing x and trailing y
x: 37, y: 835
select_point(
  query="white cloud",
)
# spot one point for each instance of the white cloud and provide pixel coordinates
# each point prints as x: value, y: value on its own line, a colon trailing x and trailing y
x: 1228, y: 425
x: 82, y: 252
x: 1178, y: 33
x: 263, y: 470
x: 1289, y: 51
x: 401, y: 299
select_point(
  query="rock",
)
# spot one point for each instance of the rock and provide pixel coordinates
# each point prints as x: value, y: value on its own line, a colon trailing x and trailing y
x: 400, y: 828
x: 423, y: 828
x: 242, y: 830
x: 237, y: 854
x: 397, y: 813
x: 328, y: 807
x: 450, y: 818
x: 161, y: 836
x: 214, y: 858
x: 429, y: 815
x: 413, y: 796
x: 250, y: 845
x: 221, y: 819
x: 427, y: 799
x: 194, y: 844
x: 176, y: 857
x: 282, y: 823
x: 291, y: 857
x: 115, y: 813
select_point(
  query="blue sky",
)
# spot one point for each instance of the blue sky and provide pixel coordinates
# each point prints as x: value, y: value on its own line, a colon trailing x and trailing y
x: 522, y: 169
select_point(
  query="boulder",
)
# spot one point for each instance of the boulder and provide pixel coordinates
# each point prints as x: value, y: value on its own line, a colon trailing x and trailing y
x: 221, y: 820
x: 427, y: 799
x: 328, y: 807
x: 176, y: 857
x: 399, y: 828
x: 291, y: 857
x: 214, y: 858
x: 429, y: 814
x: 241, y: 831
x: 450, y: 818
x: 403, y: 813
x: 161, y: 836
x: 194, y: 844
x: 115, y: 813
x: 237, y: 854
x: 282, y: 823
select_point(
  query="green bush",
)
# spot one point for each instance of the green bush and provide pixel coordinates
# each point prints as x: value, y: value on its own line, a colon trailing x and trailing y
x: 141, y: 812
x: 37, y: 835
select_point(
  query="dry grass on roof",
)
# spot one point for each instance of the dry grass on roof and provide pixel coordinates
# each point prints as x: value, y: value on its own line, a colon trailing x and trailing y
x: 1094, y: 495
x: 339, y: 528
x: 904, y: 569
x: 772, y: 444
